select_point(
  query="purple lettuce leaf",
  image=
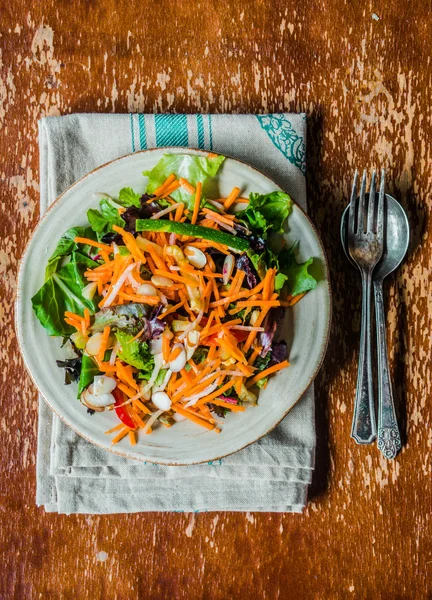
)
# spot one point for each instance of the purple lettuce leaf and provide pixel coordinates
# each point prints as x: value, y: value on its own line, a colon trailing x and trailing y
x: 278, y: 353
x: 271, y: 323
x: 244, y: 263
x: 130, y: 216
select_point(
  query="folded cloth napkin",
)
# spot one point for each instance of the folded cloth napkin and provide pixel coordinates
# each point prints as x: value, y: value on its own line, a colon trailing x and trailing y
x: 272, y: 475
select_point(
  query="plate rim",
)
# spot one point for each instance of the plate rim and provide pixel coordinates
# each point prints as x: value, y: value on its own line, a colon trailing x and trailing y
x: 19, y: 301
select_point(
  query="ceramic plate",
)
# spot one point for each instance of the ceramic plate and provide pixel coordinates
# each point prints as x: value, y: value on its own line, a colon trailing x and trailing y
x: 306, y: 326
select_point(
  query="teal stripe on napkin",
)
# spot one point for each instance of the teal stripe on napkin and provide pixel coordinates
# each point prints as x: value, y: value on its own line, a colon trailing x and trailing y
x: 200, y: 127
x: 171, y: 130
x: 132, y: 132
x: 142, y: 132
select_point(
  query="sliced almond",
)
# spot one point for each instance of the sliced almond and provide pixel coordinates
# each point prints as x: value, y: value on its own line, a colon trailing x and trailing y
x: 146, y: 289
x: 196, y: 257
x: 161, y: 400
x: 162, y: 281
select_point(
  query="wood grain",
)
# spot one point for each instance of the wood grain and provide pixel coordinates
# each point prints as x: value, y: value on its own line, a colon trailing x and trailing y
x: 362, y: 72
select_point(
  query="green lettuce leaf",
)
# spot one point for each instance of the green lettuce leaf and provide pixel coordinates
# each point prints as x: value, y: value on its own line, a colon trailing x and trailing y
x: 66, y: 246
x: 299, y: 279
x: 280, y: 280
x: 63, y: 292
x: 89, y: 370
x: 266, y: 212
x: 190, y: 167
x: 102, y: 221
x: 134, y: 353
x: 127, y: 197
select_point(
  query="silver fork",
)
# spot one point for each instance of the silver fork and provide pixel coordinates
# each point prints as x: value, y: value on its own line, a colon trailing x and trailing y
x: 365, y: 245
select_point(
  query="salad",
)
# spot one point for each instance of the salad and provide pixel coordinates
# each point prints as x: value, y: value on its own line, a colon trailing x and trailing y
x: 171, y: 300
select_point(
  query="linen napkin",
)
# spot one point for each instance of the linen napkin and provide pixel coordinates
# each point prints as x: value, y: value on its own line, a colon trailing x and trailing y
x: 272, y: 475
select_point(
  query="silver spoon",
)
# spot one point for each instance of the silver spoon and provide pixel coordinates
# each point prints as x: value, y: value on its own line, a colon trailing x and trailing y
x: 396, y: 240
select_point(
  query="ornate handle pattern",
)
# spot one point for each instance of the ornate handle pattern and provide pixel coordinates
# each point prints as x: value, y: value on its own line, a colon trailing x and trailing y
x: 389, y: 441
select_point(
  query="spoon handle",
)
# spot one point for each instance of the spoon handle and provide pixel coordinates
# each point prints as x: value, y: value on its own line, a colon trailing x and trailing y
x: 364, y: 424
x: 389, y: 441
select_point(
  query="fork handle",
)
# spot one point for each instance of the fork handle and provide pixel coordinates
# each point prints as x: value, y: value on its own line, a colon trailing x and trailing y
x: 389, y: 441
x: 364, y: 423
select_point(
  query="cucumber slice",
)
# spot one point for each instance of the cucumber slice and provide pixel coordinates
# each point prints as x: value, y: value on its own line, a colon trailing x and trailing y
x: 206, y: 233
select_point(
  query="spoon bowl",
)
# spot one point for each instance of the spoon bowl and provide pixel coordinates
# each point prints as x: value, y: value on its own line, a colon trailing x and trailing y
x: 396, y: 238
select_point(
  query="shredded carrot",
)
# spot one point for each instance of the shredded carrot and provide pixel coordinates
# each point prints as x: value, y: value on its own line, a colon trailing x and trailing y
x: 212, y: 155
x: 120, y: 435
x: 135, y: 417
x: 123, y: 375
x: 245, y: 294
x: 130, y: 243
x: 141, y: 406
x: 138, y: 335
x: 231, y: 349
x: 268, y: 284
x: 132, y: 438
x: 164, y: 185
x: 104, y: 343
x: 179, y: 212
x: 165, y: 348
x: 174, y: 353
x: 254, y: 355
x: 194, y: 387
x: 152, y: 300
x: 105, y: 367
x: 186, y: 280
x: 189, y: 415
x: 252, y: 334
x: 215, y: 394
x: 267, y: 303
x: 116, y: 428
x: 220, y: 311
x: 105, y: 255
x: 227, y: 219
x: 130, y: 393
x: 167, y: 191
x: 73, y: 323
x: 204, y: 332
x: 295, y: 299
x: 233, y: 407
x: 268, y: 371
x: 197, y: 202
x: 172, y: 309
x: 238, y: 385
x: 73, y: 316
x: 212, y: 352
x: 216, y: 328
x: 89, y: 242
x: 187, y: 186
x: 231, y: 198
x: 87, y: 318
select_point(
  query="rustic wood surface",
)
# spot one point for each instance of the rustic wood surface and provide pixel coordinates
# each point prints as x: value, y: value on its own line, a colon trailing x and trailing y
x: 362, y: 71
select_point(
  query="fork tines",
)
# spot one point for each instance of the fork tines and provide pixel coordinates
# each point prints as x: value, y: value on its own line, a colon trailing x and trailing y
x: 370, y: 219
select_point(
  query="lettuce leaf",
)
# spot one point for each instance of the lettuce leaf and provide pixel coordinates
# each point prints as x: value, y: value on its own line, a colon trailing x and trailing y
x: 266, y: 212
x: 66, y: 246
x: 102, y: 221
x: 127, y: 197
x: 61, y: 292
x: 135, y: 353
x: 89, y: 370
x: 299, y: 279
x: 190, y: 167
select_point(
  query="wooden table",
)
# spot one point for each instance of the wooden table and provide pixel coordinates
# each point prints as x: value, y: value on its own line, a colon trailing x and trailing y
x: 363, y: 74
